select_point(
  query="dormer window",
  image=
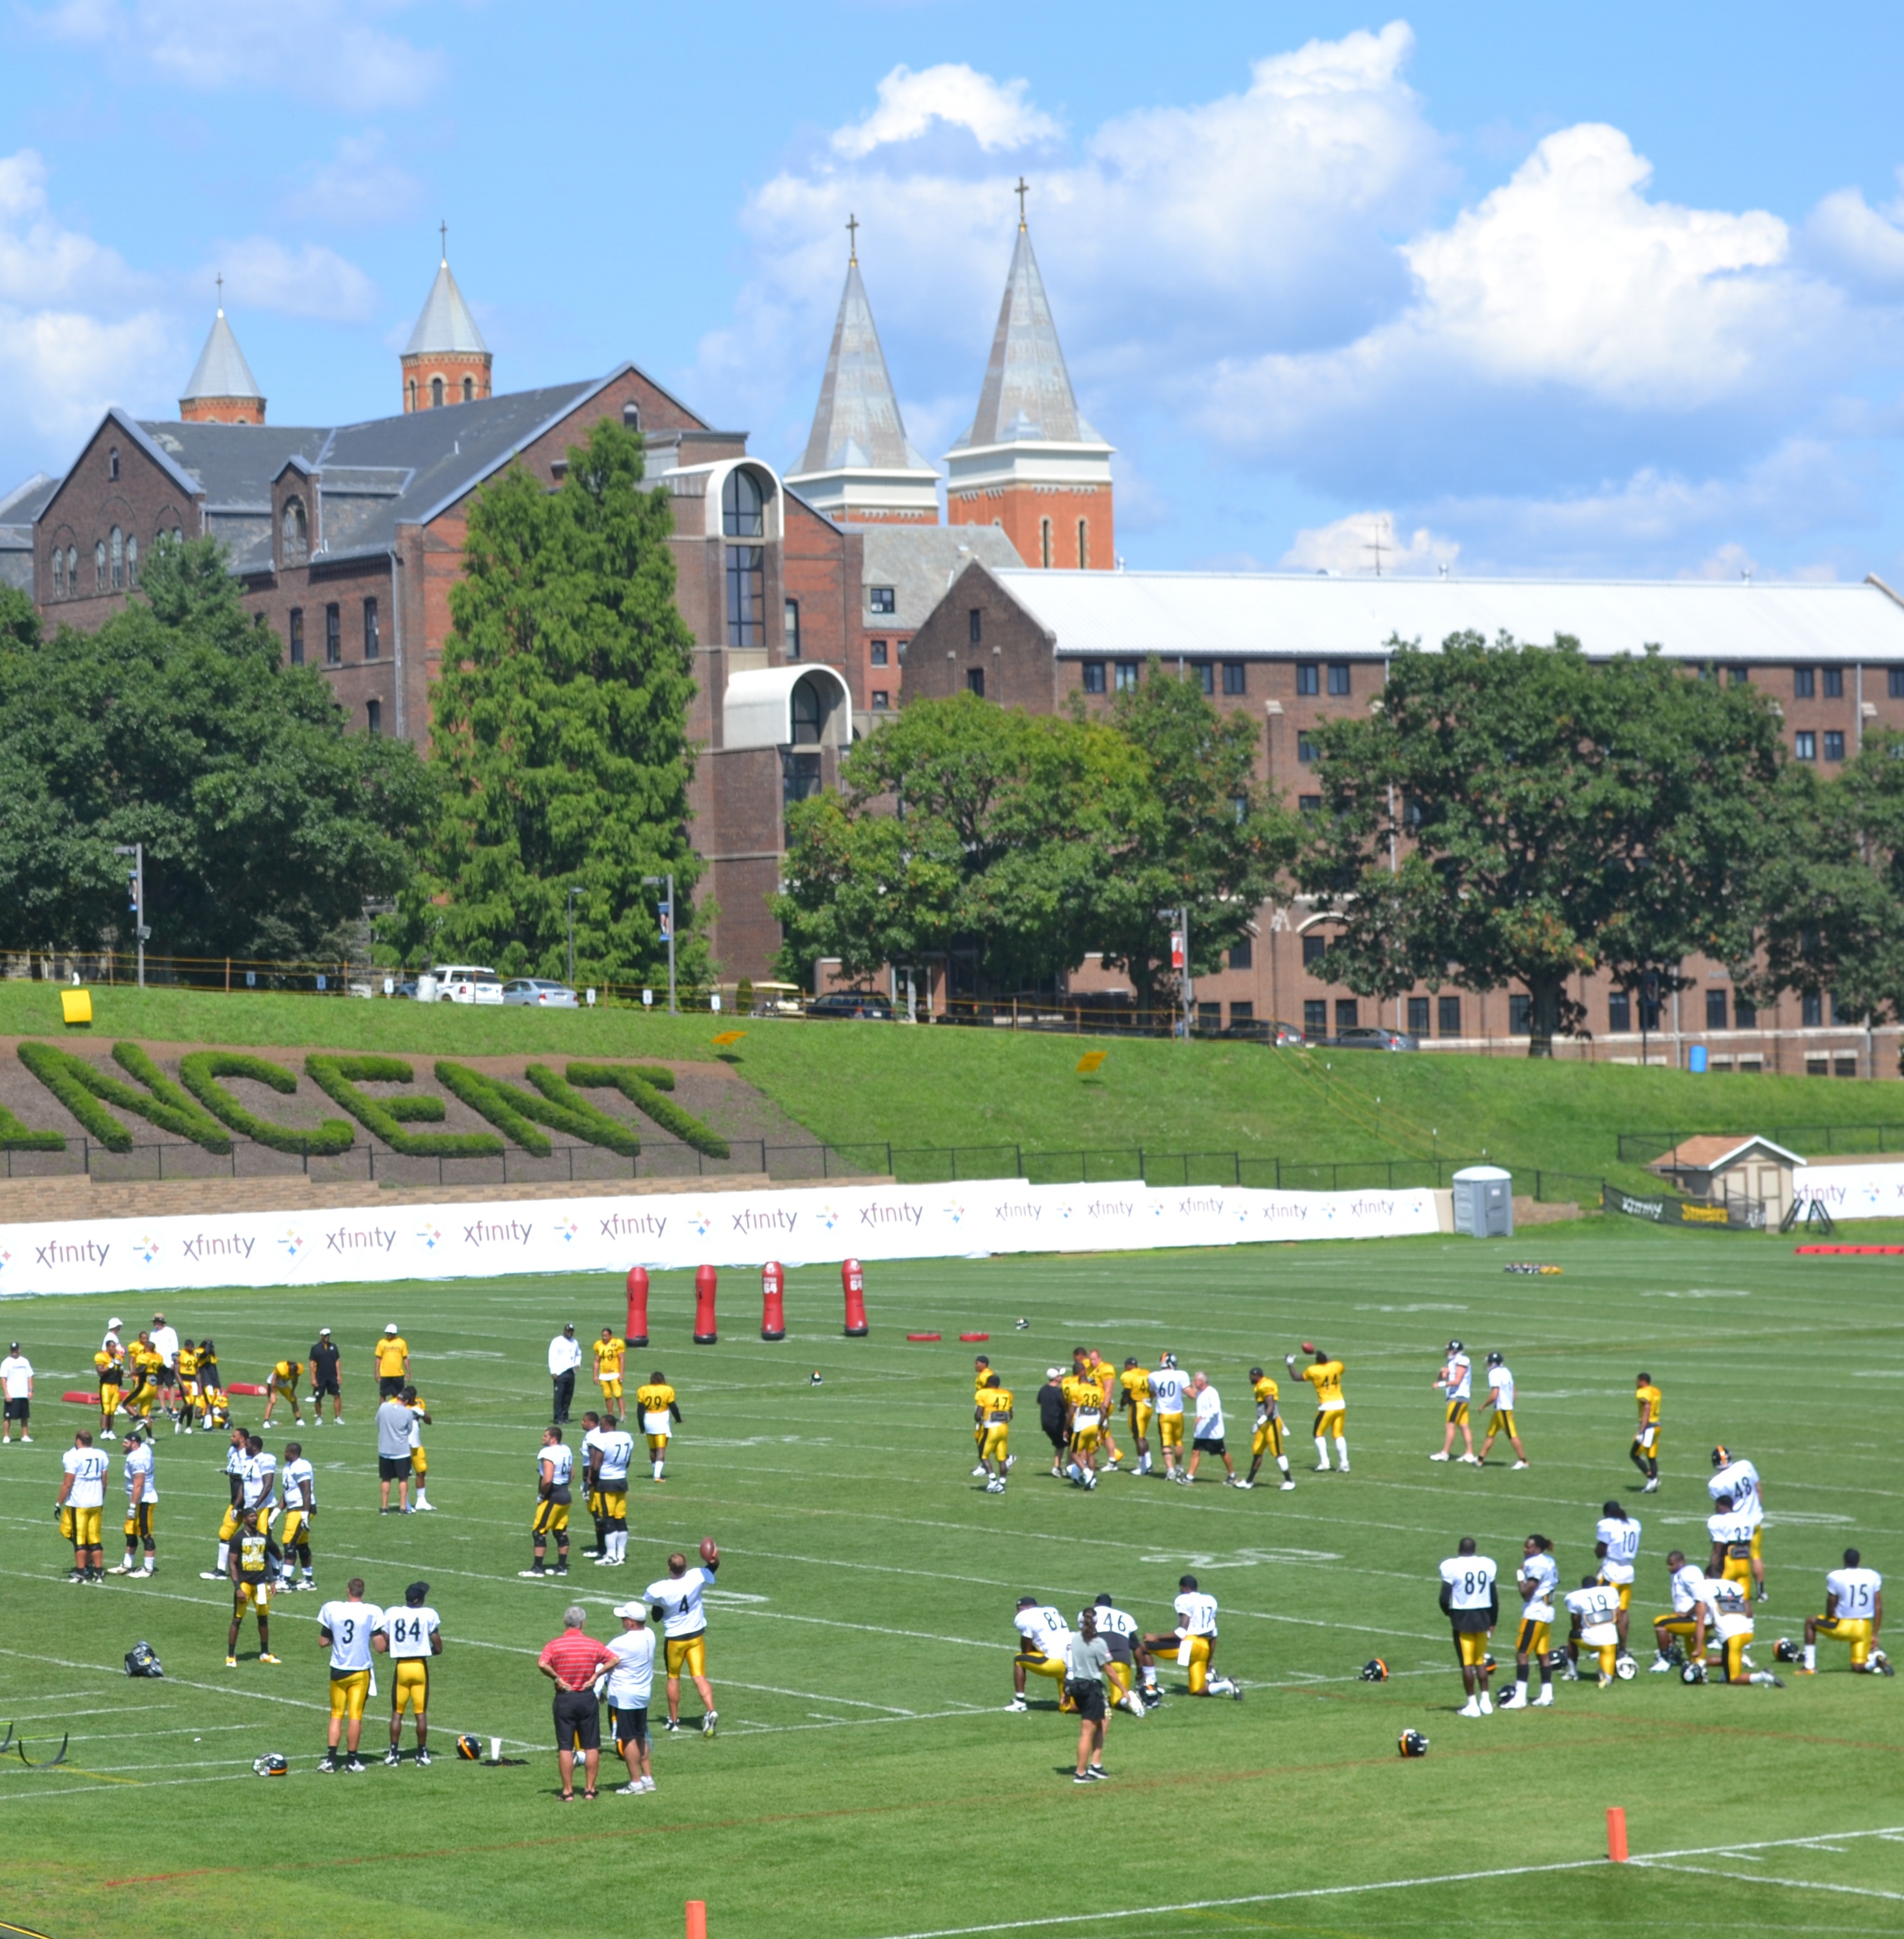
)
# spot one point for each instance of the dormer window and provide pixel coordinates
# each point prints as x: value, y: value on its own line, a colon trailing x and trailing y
x: 882, y: 599
x: 296, y: 533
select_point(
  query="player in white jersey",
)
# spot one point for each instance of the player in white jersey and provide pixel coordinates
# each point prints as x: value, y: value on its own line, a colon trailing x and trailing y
x: 237, y: 1453
x: 410, y: 1636
x: 609, y: 1450
x: 1193, y: 1642
x: 297, y: 1485
x: 259, y: 1476
x: 677, y: 1603
x: 1731, y: 1534
x: 1855, y: 1614
x: 1501, y: 1419
x: 1724, y: 1613
x: 1592, y: 1610
x: 1470, y: 1599
x: 1456, y: 1380
x: 1673, y: 1633
x: 1538, y: 1581
x: 81, y: 1502
x: 1043, y: 1635
x: 1167, y: 1386
x: 141, y: 1507
x: 554, y: 1468
x: 1616, y: 1547
x: 346, y: 1628
x: 1733, y: 1474
x: 1125, y: 1640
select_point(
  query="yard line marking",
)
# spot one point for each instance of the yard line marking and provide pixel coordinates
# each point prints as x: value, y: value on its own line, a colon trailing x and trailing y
x: 1765, y: 1878
x: 819, y: 1697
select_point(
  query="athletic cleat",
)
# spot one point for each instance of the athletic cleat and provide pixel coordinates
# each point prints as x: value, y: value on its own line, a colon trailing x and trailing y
x: 1017, y: 1703
x: 977, y: 1472
x: 210, y: 1575
x: 1545, y: 1700
x: 708, y: 1722
x: 673, y: 1726
x: 231, y: 1663
x: 423, y: 1757
x: 1652, y: 1486
x: 265, y: 1656
x: 328, y: 1765
x: 1235, y: 1483
x: 1437, y: 1457
x: 532, y: 1575
x: 121, y: 1569
x: 393, y: 1758
x: 1344, y: 1468
x: 1321, y: 1467
x: 1660, y: 1666
x: 1470, y: 1460
x: 357, y: 1767
x: 1471, y: 1708
x: 1514, y: 1700
x: 1517, y: 1467
x: 1605, y: 1680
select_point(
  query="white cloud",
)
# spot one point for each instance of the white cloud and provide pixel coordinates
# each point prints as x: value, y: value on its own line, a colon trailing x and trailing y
x: 330, y: 50
x: 261, y: 273
x: 1863, y: 245
x: 43, y: 263
x: 1365, y: 542
x: 996, y: 114
x: 358, y: 187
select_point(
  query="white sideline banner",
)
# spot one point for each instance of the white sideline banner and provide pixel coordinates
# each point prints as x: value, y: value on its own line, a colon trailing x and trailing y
x: 797, y: 1224
x: 1873, y: 1191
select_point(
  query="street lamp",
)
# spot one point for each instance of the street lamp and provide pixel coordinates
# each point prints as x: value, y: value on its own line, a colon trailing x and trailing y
x: 137, y: 851
x: 666, y: 926
x: 572, y: 894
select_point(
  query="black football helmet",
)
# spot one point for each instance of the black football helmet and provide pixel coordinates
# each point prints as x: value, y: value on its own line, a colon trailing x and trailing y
x: 468, y: 1747
x: 1412, y: 1744
x: 1375, y: 1671
x: 1722, y: 1456
x: 272, y: 1766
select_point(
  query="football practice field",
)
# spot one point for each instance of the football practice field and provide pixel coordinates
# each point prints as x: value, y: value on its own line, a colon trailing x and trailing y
x: 867, y: 1780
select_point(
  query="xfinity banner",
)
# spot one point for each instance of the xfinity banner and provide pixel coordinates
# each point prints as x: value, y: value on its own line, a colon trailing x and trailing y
x: 796, y: 1224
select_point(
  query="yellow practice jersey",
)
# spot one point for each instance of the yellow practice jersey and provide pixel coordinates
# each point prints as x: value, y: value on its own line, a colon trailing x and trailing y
x: 391, y: 1353
x: 1106, y: 1375
x: 1648, y: 1400
x: 421, y: 1408
x: 1135, y: 1382
x: 1266, y: 1390
x: 112, y: 1369
x: 608, y: 1359
x: 978, y: 1389
x: 288, y: 1371
x: 656, y: 1397
x: 149, y: 1363
x: 995, y: 1406
x: 1325, y: 1377
x: 188, y: 1363
x: 1081, y: 1390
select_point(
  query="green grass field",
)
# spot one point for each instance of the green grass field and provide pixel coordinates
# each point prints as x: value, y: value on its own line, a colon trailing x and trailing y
x: 866, y: 1781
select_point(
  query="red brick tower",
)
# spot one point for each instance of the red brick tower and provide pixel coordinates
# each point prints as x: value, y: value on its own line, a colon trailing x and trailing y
x: 1031, y: 464
x: 221, y: 389
x: 446, y: 361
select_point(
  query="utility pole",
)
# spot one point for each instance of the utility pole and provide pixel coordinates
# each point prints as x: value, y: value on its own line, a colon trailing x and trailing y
x: 667, y: 928
x: 572, y: 894
x: 140, y: 932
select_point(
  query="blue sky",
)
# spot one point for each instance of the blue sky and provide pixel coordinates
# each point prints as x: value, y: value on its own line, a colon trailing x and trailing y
x: 1615, y: 294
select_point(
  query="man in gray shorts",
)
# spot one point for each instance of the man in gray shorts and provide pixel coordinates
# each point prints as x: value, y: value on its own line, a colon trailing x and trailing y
x: 1125, y: 1639
x: 395, y: 1421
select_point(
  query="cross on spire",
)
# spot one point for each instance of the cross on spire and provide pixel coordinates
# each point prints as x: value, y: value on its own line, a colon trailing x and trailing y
x: 853, y: 237
x: 1021, y: 191
x: 221, y: 292
x: 442, y: 229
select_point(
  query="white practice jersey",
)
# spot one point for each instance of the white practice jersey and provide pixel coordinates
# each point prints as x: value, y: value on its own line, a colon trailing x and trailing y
x: 1595, y: 1606
x: 1458, y: 1376
x: 1734, y: 1529
x: 1471, y: 1577
x: 1688, y: 1588
x: 235, y: 1458
x: 1857, y: 1590
x: 165, y: 1344
x: 352, y: 1626
x: 1209, y: 1415
x: 1501, y: 1389
x: 410, y: 1631
x: 617, y: 1451
x: 1622, y: 1535
x: 1544, y: 1573
x: 298, y: 1478
x: 1166, y: 1386
x: 260, y: 1473
x: 1196, y: 1614
x: 631, y: 1682
x: 1731, y: 1613
x: 16, y: 1377
x: 138, y: 1463
x: 560, y: 1463
x: 1113, y: 1622
x: 1740, y: 1480
x: 678, y: 1598
x: 87, y: 1466
x: 1043, y: 1628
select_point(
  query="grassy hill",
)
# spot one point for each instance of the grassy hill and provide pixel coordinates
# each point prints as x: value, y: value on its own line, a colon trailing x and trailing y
x: 856, y: 1084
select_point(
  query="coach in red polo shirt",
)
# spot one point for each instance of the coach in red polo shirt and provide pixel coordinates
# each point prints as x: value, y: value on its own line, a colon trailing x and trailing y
x: 572, y: 1663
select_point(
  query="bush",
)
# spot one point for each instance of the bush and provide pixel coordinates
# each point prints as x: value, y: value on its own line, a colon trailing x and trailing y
x: 496, y: 1102
x: 76, y: 1082
x: 200, y: 1072
x: 337, y: 1078
x: 15, y: 1136
x: 642, y: 1086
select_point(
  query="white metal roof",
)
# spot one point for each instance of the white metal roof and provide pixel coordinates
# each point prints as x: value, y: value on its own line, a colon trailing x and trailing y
x: 1171, y: 614
x: 758, y: 706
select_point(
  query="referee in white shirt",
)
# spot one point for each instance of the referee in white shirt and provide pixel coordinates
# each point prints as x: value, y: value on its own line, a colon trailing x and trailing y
x: 564, y: 1356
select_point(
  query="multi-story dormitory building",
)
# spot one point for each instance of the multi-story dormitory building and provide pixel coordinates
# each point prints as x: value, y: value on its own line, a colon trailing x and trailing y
x: 822, y: 600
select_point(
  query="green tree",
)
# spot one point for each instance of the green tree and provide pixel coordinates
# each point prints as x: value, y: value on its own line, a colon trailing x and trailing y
x: 1521, y: 813
x: 266, y: 826
x: 560, y: 731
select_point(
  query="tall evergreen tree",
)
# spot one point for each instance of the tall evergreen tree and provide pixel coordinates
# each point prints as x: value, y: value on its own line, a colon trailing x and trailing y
x: 559, y: 730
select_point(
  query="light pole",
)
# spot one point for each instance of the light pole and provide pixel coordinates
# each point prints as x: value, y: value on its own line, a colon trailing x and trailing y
x: 137, y: 851
x: 667, y: 927
x: 572, y: 894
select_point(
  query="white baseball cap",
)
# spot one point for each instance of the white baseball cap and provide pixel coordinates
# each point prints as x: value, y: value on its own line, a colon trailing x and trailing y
x: 115, y: 1322
x: 632, y: 1612
x: 324, y: 1332
x: 390, y: 1328
x: 1052, y: 1372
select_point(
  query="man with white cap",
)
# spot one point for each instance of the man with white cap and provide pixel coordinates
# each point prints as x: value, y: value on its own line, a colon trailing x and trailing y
x: 392, y: 1357
x: 628, y: 1688
x: 165, y: 1344
x: 327, y: 1377
x: 16, y: 1388
x: 564, y: 1356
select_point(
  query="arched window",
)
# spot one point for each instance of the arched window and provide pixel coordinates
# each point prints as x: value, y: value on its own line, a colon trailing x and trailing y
x: 412, y: 387
x: 59, y: 573
x: 132, y: 562
x: 1083, y: 555
x: 373, y: 713
x: 296, y: 532
x: 178, y: 536
x: 112, y: 465
x: 1044, y: 543
x: 741, y: 514
x: 808, y: 712
x: 118, y: 559
x: 435, y: 394
x: 72, y: 572
x: 99, y: 565
x: 469, y: 389
x: 632, y: 417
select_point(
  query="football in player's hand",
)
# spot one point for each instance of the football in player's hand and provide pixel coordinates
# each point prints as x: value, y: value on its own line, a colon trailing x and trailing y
x: 711, y: 1553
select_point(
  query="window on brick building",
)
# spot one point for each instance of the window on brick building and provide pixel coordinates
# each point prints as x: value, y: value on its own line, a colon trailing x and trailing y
x: 790, y: 629
x: 1243, y: 1013
x: 1418, y: 1016
x: 372, y: 643
x: 882, y: 700
x: 746, y: 595
x: 1204, y: 673
x: 1741, y: 676
x: 1093, y: 676
x: 333, y: 636
x: 296, y: 532
x: 1339, y: 676
x: 112, y: 465
x: 1126, y: 675
x: 469, y: 389
x: 373, y: 717
x: 1315, y: 947
x: 1239, y: 807
x: 412, y: 391
x: 1045, y: 542
x: 1520, y: 1014
x: 1745, y: 1016
x: 1619, y: 1010
x: 1843, y: 1016
x: 1896, y: 682
x: 99, y: 580
x: 902, y: 645
x: 632, y: 417
x: 435, y: 394
x: 974, y: 624
x: 131, y: 579
x: 1834, y: 744
x: 1805, y: 746
x: 975, y: 682
x: 881, y: 599
x: 1308, y: 677
x: 1715, y: 1009
x: 1805, y: 683
x: 1348, y: 1014
x: 1309, y: 804
x: 1811, y: 1010
x: 1305, y: 749
x: 59, y: 573
x: 1834, y: 683
x: 1315, y: 1017
x: 72, y: 571
x: 118, y: 559
x: 1084, y: 545
x: 744, y: 507
x: 1242, y: 954
x: 1235, y: 676
x: 1447, y: 1016
x: 879, y: 652
x: 297, y: 636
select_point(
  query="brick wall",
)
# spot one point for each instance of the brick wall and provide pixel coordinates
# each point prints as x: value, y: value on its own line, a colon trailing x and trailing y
x: 1022, y: 511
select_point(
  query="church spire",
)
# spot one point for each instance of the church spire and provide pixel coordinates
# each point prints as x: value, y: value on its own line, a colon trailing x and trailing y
x: 858, y: 465
x: 221, y: 389
x: 446, y: 361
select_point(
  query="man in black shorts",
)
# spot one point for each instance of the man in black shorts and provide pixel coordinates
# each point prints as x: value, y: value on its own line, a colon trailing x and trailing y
x: 1086, y: 1655
x: 395, y: 1421
x: 629, y: 1688
x: 1051, y: 1409
x: 572, y: 1662
x: 327, y: 1377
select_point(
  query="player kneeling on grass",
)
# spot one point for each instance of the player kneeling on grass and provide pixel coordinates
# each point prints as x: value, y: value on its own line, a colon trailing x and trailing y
x: 1726, y: 1613
x: 1470, y: 1599
x: 1854, y: 1613
x: 252, y: 1568
x: 1125, y: 1640
x: 677, y: 1603
x: 346, y: 1629
x: 629, y: 1687
x: 1538, y: 1579
x: 410, y: 1636
x: 1592, y: 1613
x: 1193, y: 1642
x: 1086, y: 1660
x: 1043, y: 1635
x: 1673, y: 1635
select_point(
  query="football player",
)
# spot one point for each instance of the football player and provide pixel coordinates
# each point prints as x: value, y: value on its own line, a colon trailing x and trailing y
x: 981, y: 1371
x: 82, y: 1502
x: 146, y: 1365
x: 253, y: 1566
x: 1268, y: 1438
x: 236, y: 1454
x: 141, y: 1506
x: 1331, y: 1410
x: 297, y: 1485
x: 1043, y: 1637
x: 1617, y: 1545
x: 1731, y: 1559
x: 1644, y: 1453
x: 1500, y: 1419
x: 1854, y: 1613
x: 1456, y: 1380
x: 1125, y: 1640
x: 1470, y: 1599
x: 1193, y: 1642
x: 281, y: 1384
x: 110, y: 1362
x: 1674, y: 1633
x: 655, y: 1399
x: 554, y: 1464
x: 1083, y: 1400
x: 995, y: 1417
x: 419, y: 1460
x: 1726, y: 1611
x: 410, y: 1636
x: 608, y: 1449
x: 345, y: 1629
x: 1591, y: 1611
x: 1734, y: 1475
x: 610, y: 1351
x: 675, y: 1602
x: 1135, y: 1382
x: 188, y: 1383
x: 1166, y: 1386
x: 1538, y: 1579
x: 1100, y: 1370
x: 258, y: 1477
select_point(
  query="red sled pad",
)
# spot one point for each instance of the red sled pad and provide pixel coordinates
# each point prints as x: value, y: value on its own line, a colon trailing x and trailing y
x: 1849, y: 1252
x: 80, y: 1398
x: 925, y: 1336
x: 245, y: 1387
x: 974, y: 1336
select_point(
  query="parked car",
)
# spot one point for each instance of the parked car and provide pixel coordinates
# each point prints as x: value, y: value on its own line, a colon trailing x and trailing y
x: 1271, y: 1030
x: 538, y: 989
x: 467, y: 983
x: 868, y: 1006
x: 1373, y: 1037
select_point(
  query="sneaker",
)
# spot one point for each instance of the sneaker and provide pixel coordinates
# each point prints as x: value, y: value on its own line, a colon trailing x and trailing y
x: 631, y: 1789
x: 1660, y: 1666
x: 708, y: 1722
x: 673, y: 1726
x: 392, y: 1757
x: 328, y: 1765
x: 423, y: 1758
x: 1487, y: 1704
x: 147, y: 1570
x: 1437, y: 1457
x: 1344, y: 1469
x: 1514, y: 1700
x: 265, y: 1656
x: 121, y: 1569
x: 1095, y: 1773
x: 646, y: 1784
x: 1470, y: 1708
x: 25, y: 1440
x: 979, y: 1470
x: 1544, y: 1701
x: 1470, y: 1460
x: 1082, y: 1778
x: 1289, y: 1485
x: 532, y: 1575
x: 1652, y: 1486
x: 1517, y: 1467
x: 426, y: 1507
x: 562, y: 1570
x: 1605, y: 1680
x: 1235, y: 1483
x: 1321, y: 1467
x: 1017, y: 1704
x: 210, y: 1575
x: 1090, y: 1481
x: 357, y: 1767
x: 231, y: 1663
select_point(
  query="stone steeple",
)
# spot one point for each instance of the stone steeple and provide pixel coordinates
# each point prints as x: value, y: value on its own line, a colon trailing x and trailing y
x: 446, y: 361
x: 221, y: 389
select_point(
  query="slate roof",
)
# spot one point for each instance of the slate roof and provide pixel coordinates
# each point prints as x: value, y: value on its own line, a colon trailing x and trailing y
x: 18, y: 509
x: 221, y: 370
x: 1027, y: 394
x: 857, y: 425
x: 920, y: 562
x: 445, y: 324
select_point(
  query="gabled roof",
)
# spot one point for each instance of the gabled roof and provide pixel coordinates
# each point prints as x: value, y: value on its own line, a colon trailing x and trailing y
x: 1716, y: 1153
x: 446, y: 323
x: 221, y: 370
x: 857, y: 426
x: 24, y: 503
x: 1027, y: 395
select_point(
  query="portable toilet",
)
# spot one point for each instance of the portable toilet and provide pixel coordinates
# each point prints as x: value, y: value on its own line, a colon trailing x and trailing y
x: 1484, y: 1202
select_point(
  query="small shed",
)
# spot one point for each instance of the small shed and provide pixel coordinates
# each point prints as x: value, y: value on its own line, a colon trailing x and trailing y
x: 1484, y: 1201
x: 1719, y: 1168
